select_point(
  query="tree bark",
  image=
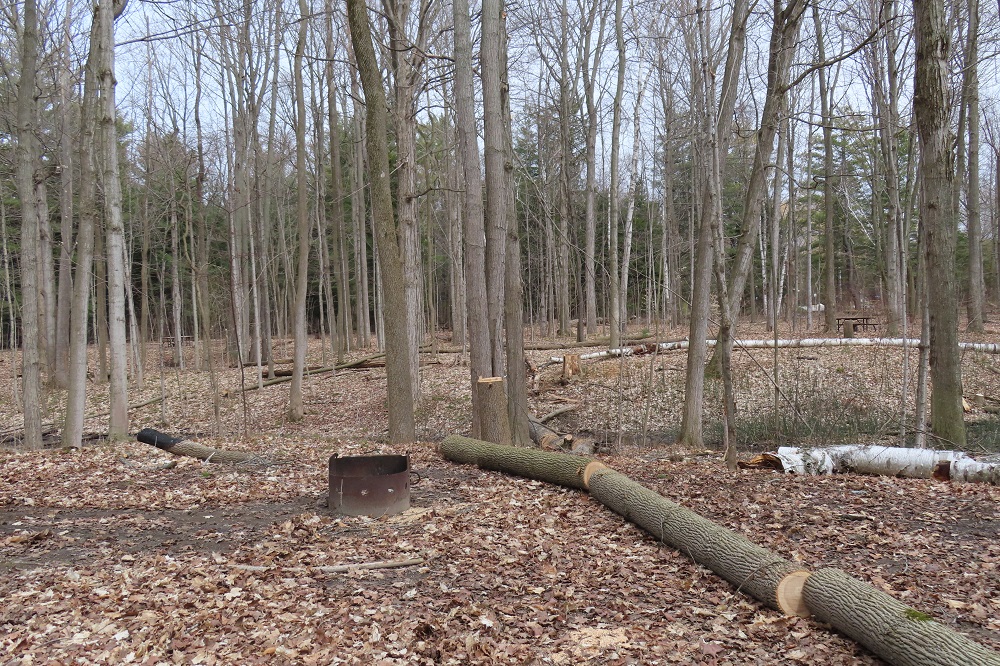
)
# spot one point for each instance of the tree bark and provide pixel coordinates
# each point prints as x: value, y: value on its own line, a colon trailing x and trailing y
x: 295, y: 408
x: 26, y: 162
x: 889, y: 628
x: 495, y: 426
x: 400, y: 387
x: 473, y: 231
x: 931, y: 109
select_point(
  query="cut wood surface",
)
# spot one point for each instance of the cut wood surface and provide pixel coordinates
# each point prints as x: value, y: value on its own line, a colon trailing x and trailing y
x: 181, y: 447
x: 895, y: 632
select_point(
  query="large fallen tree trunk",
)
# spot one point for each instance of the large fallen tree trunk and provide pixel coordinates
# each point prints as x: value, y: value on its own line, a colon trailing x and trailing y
x: 895, y: 632
x: 178, y: 446
x: 899, y: 634
x: 880, y: 460
x: 752, y: 569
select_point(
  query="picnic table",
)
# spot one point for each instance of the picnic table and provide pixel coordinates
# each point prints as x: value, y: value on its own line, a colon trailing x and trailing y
x: 858, y: 323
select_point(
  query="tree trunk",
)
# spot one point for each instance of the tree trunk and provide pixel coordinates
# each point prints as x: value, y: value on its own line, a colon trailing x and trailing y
x: 892, y: 630
x: 829, y: 248
x: 931, y: 109
x: 473, y: 232
x: 615, y: 296
x: 400, y: 387
x: 65, y: 293
x: 495, y: 425
x: 295, y: 408
x: 754, y: 570
x: 108, y: 11
x: 26, y: 161
x: 79, y: 316
x: 970, y: 98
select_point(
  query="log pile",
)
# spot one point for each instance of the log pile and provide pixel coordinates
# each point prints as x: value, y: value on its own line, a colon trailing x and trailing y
x: 897, y: 633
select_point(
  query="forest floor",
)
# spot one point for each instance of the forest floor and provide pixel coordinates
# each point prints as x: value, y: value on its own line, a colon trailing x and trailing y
x: 107, y: 559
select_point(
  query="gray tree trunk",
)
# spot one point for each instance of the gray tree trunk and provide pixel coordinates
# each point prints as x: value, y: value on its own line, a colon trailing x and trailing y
x: 473, y: 231
x: 931, y: 109
x: 400, y: 391
x: 26, y: 161
x: 295, y: 408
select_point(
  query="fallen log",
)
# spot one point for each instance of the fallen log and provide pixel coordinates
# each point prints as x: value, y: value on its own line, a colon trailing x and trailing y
x: 900, y: 635
x: 879, y: 460
x: 558, y: 468
x: 754, y: 570
x: 178, y: 446
x: 986, y: 348
x: 895, y: 632
x: 751, y: 568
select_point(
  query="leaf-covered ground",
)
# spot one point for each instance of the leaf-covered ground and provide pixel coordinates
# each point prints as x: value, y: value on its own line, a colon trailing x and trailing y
x: 107, y: 559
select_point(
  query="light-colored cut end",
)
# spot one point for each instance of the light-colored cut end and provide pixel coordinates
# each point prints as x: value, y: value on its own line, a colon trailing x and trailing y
x: 789, y: 594
x: 589, y: 470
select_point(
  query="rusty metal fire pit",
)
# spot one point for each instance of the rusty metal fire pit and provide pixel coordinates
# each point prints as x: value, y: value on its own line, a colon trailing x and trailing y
x: 369, y: 485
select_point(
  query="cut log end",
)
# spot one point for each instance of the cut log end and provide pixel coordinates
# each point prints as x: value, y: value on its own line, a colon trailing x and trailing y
x: 589, y: 470
x: 789, y: 594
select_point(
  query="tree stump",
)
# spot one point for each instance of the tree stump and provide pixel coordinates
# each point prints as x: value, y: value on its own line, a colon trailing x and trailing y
x: 571, y: 366
x: 494, y: 421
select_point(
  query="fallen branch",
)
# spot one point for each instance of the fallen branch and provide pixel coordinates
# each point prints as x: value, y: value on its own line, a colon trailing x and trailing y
x: 557, y: 412
x: 317, y: 371
x: 178, y: 446
x: 340, y: 568
x: 395, y: 564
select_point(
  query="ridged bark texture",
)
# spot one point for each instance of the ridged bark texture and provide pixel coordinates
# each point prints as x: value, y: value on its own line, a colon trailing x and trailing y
x: 754, y: 570
x: 889, y: 628
x: 558, y: 468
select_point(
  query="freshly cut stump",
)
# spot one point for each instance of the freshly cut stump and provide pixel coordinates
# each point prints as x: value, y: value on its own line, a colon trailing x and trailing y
x: 895, y: 632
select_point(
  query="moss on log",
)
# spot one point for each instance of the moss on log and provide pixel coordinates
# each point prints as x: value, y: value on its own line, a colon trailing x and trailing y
x: 559, y: 468
x: 895, y: 632
x: 754, y: 570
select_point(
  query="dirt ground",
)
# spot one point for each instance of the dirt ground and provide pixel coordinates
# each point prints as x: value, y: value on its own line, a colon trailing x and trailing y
x: 107, y: 558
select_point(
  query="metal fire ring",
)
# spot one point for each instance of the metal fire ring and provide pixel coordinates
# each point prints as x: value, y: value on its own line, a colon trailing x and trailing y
x: 369, y: 485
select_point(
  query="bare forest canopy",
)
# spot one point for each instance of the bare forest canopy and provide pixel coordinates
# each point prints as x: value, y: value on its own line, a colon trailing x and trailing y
x: 198, y: 171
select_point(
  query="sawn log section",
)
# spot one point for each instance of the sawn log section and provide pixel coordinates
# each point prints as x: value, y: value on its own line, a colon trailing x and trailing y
x: 899, y: 634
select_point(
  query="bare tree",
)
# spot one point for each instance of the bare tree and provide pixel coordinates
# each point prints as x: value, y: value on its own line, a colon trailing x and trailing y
x: 474, y: 231
x: 400, y: 387
x: 295, y: 409
x: 27, y: 158
x: 931, y: 109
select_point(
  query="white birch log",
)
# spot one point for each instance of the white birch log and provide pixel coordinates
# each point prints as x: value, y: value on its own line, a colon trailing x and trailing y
x: 888, y: 461
x: 986, y: 348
